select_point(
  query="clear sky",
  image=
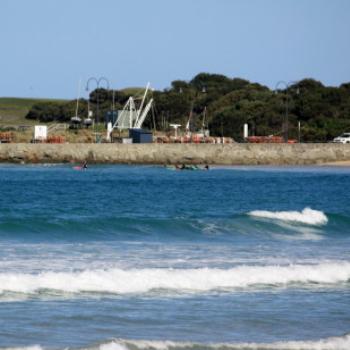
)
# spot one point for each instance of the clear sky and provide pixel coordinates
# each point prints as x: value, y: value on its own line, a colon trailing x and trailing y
x: 48, y: 45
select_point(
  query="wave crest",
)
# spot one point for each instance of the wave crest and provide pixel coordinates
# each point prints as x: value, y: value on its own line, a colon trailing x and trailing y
x: 333, y: 343
x: 31, y: 347
x: 118, y: 281
x: 306, y: 216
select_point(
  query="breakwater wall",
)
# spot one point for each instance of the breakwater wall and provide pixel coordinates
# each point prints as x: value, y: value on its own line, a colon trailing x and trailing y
x: 227, y: 154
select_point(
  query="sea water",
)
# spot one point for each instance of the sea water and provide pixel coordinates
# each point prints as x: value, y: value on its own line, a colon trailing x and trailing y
x: 143, y: 257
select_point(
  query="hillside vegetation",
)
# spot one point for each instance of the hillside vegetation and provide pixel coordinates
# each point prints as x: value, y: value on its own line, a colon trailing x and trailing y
x: 14, y: 110
x: 224, y: 105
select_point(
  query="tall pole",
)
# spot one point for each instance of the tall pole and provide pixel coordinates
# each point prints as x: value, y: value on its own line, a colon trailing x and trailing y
x: 222, y: 131
x: 285, y: 125
x: 286, y: 122
x: 78, y: 96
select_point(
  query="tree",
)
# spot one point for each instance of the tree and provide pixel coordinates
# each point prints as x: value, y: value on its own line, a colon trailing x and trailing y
x: 323, y: 111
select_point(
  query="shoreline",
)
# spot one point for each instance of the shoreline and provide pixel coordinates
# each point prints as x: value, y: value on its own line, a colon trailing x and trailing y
x: 339, y: 163
x: 219, y: 154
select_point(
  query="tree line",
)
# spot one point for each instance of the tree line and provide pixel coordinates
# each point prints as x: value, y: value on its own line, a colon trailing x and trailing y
x: 224, y: 105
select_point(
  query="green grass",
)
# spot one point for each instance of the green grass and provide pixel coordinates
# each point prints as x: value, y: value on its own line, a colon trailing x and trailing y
x: 134, y: 91
x: 13, y: 110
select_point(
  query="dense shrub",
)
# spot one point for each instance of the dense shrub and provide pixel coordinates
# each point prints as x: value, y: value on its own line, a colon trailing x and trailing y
x: 323, y: 111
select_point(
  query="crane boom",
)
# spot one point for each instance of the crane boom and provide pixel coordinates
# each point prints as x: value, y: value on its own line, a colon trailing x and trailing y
x: 142, y: 103
x: 144, y: 114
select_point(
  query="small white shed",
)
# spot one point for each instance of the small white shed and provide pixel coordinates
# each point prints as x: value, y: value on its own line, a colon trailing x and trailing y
x: 40, y: 132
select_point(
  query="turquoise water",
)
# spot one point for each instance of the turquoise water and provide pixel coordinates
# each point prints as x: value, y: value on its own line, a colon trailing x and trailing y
x: 141, y: 257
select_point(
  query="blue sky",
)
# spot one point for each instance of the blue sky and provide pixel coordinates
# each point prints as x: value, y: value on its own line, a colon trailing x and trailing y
x: 48, y: 45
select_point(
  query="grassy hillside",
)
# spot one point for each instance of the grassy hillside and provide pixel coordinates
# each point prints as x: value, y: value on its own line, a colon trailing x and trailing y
x: 133, y: 91
x: 13, y: 110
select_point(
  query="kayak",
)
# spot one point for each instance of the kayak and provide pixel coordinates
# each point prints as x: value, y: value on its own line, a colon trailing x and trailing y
x: 186, y: 167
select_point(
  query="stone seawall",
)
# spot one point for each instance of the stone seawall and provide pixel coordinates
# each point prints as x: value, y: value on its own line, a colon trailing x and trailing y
x: 228, y: 154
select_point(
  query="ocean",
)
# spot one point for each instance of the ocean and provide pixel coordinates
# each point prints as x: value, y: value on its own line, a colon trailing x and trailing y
x: 148, y: 258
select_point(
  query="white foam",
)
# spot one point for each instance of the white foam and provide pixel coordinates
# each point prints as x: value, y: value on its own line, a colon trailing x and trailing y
x: 334, y: 343
x: 32, y: 347
x: 298, y: 232
x: 113, y: 346
x: 200, y: 280
x: 306, y: 216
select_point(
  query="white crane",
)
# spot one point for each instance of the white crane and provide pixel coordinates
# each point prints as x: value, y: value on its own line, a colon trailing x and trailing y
x: 131, y: 117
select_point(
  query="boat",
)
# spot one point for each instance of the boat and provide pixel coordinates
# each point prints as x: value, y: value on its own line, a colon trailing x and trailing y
x: 187, y: 167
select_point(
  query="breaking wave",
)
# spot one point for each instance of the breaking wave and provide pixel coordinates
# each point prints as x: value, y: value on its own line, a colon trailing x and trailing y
x: 332, y: 343
x: 33, y: 347
x: 306, y: 216
x: 138, y: 281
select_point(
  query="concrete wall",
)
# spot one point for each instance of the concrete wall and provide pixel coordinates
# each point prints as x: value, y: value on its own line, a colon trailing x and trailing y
x: 230, y: 154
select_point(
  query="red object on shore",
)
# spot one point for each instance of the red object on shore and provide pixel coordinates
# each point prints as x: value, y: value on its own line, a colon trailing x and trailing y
x: 55, y: 139
x: 5, y: 137
x: 268, y: 139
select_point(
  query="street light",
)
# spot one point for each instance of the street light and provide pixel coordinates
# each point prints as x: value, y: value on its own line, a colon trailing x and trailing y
x: 98, y: 81
x: 285, y: 122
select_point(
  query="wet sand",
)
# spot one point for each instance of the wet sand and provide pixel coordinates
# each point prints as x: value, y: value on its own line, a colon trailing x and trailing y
x: 340, y: 163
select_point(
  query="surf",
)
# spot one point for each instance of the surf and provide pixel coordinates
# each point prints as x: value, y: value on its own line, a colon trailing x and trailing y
x: 331, y: 343
x: 200, y: 280
x: 306, y: 216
